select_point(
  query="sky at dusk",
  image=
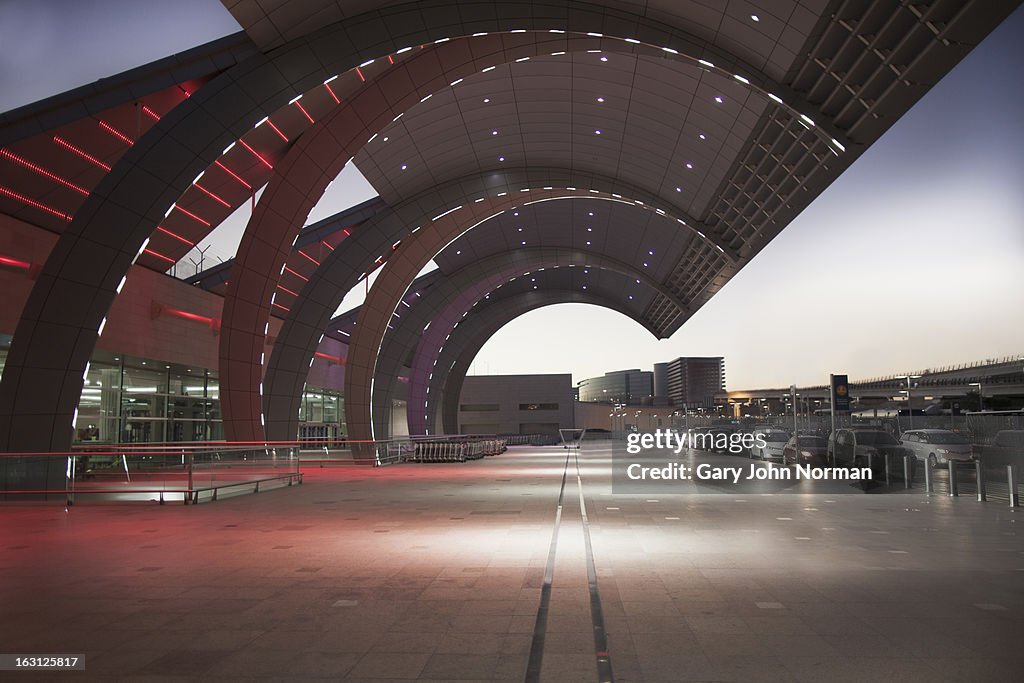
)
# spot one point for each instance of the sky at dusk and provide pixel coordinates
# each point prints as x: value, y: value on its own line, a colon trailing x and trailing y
x: 914, y: 258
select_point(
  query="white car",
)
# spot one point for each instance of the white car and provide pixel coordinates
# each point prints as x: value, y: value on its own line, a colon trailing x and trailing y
x: 938, y: 446
x: 775, y: 442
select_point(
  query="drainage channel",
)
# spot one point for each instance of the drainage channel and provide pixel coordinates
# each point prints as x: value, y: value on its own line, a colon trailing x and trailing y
x: 604, y: 663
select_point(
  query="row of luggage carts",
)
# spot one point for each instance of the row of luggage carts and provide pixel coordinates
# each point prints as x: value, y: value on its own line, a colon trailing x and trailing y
x: 455, y: 451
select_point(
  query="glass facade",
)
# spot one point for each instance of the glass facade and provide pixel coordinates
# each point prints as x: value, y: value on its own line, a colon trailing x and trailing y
x: 629, y: 387
x: 135, y: 400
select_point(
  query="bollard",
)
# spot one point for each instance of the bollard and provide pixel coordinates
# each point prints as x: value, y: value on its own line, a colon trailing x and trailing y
x: 954, y: 488
x: 1011, y: 480
x: 928, y: 488
x: 886, y: 460
x: 979, y: 475
x: 908, y: 471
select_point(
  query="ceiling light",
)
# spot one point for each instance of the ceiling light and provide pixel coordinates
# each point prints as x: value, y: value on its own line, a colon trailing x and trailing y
x: 405, y: 166
x: 588, y: 243
x: 604, y: 59
x: 630, y: 297
x: 679, y: 189
x: 494, y: 132
x: 590, y: 213
x: 689, y: 165
x: 590, y: 230
x: 584, y: 286
x: 702, y: 136
x: 638, y: 282
x: 651, y: 252
x: 486, y: 100
x: 385, y: 138
x: 458, y: 253
x: 516, y: 213
x: 755, y: 17
x: 501, y: 158
x: 523, y: 243
x: 519, y: 229
x: 600, y: 99
x: 645, y: 264
x: 597, y: 132
x: 718, y: 98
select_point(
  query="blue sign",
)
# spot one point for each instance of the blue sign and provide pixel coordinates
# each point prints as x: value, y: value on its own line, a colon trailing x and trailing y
x: 841, y: 393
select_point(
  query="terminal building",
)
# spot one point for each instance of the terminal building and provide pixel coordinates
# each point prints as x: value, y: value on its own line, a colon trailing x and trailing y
x: 633, y: 156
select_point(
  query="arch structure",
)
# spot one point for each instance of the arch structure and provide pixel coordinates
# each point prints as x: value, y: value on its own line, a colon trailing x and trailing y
x: 728, y: 127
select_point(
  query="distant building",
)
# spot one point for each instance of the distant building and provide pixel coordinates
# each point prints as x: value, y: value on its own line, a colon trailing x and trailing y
x: 690, y: 382
x: 631, y: 387
x: 516, y: 404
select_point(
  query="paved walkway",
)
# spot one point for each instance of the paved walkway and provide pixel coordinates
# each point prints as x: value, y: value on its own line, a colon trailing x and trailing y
x: 435, y: 572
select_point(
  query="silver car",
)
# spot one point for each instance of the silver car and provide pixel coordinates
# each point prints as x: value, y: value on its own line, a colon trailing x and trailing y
x: 938, y: 446
x: 775, y: 440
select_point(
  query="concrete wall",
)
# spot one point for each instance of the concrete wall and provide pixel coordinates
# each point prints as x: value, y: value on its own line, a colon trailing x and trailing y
x: 502, y: 399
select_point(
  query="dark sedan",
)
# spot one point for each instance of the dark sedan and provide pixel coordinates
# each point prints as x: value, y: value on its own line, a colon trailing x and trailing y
x: 811, y: 450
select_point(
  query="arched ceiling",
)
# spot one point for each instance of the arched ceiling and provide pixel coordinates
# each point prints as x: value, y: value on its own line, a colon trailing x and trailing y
x: 770, y: 43
x: 653, y: 120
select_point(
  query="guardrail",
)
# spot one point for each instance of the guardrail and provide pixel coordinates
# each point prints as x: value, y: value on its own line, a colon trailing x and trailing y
x: 191, y: 472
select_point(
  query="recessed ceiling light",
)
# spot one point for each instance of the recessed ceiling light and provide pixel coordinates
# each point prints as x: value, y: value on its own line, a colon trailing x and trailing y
x: 645, y: 264
x: 702, y: 136
x: 651, y: 252
x: 638, y: 282
x: 600, y: 99
x: 590, y: 213
x: 588, y: 243
x: 405, y: 166
x: 755, y: 17
x: 630, y: 297
x: 718, y: 98
x: 494, y: 132
x: 590, y: 230
x: 516, y: 213
x: 597, y: 132
x: 604, y: 59
x: 386, y: 138
x: 679, y: 189
x: 519, y: 229
x: 689, y: 165
x: 584, y: 286
x: 486, y: 100
x: 458, y: 253
x: 523, y: 243
x: 501, y: 158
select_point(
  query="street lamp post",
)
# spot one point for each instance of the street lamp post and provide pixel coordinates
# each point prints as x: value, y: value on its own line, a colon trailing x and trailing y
x: 910, y: 409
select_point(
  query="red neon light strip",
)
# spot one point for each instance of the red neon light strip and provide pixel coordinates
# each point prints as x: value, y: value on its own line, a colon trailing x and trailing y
x: 233, y: 174
x: 191, y: 215
x: 346, y: 232
x: 282, y: 307
x: 151, y: 113
x: 256, y: 154
x: 160, y: 256
x: 31, y: 202
x: 336, y: 359
x: 211, y: 195
x: 189, y: 316
x: 308, y: 256
x: 391, y: 60
x: 277, y: 130
x: 327, y: 245
x: 328, y: 86
x: 116, y: 133
x: 14, y: 263
x: 7, y: 154
x: 175, y: 235
x: 361, y: 76
x: 301, y: 277
x: 303, y: 110
x: 285, y: 289
x: 88, y: 157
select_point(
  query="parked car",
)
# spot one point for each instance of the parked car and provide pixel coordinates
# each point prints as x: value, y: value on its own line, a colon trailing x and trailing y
x: 774, y: 439
x: 1007, y: 448
x: 810, y: 450
x: 867, y: 448
x: 938, y: 446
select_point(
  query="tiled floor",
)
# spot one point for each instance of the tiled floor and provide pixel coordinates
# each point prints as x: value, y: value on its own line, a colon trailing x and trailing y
x: 434, y: 572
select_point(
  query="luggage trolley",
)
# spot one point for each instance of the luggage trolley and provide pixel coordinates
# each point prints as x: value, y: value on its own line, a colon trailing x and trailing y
x: 572, y: 438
